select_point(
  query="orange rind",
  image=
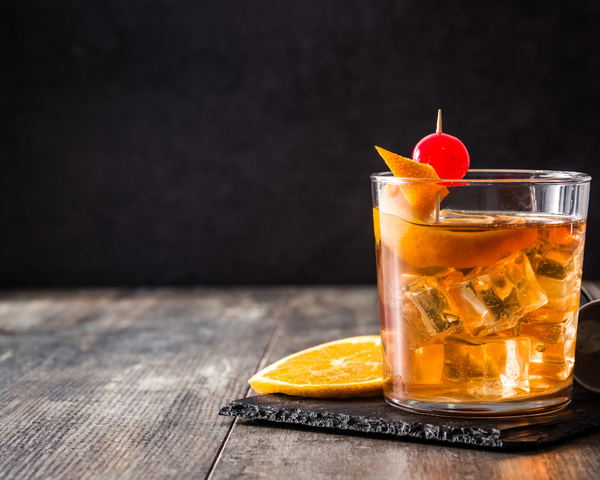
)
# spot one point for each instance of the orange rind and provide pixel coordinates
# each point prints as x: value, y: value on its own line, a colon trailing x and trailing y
x: 419, y: 195
x: 343, y: 368
x: 435, y: 245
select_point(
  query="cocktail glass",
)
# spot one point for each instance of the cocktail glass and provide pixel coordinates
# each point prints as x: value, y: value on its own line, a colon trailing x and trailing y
x: 479, y: 303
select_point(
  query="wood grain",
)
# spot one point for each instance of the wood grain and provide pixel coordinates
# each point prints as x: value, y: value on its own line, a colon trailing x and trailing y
x: 125, y: 384
x: 298, y: 453
x: 255, y: 450
x: 324, y: 314
x: 116, y: 384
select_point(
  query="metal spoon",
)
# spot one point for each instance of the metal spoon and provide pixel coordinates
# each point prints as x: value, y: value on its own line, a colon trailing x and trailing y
x: 587, y: 349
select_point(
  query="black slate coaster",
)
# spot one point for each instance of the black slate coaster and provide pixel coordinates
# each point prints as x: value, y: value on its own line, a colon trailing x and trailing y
x: 374, y: 415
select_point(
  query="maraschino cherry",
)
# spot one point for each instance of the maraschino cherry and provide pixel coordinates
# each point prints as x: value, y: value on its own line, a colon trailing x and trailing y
x: 446, y: 154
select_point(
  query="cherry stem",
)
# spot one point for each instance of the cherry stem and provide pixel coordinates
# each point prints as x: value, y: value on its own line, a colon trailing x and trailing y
x: 439, y: 122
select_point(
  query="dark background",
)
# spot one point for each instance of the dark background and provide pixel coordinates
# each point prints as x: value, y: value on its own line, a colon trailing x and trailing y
x: 231, y: 142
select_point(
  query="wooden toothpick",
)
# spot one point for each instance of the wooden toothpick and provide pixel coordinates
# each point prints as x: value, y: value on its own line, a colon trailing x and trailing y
x: 436, y: 212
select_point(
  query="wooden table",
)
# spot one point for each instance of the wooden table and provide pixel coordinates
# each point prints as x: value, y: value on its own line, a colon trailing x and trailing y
x: 126, y: 384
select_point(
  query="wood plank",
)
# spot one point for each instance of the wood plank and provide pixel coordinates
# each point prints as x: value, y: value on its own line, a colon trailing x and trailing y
x: 324, y: 314
x: 298, y: 453
x: 255, y: 450
x: 125, y: 383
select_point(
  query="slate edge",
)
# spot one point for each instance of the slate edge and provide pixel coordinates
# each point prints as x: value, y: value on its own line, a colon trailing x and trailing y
x: 470, y: 436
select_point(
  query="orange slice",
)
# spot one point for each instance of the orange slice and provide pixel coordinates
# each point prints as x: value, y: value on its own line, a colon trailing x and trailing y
x: 421, y: 197
x: 343, y: 368
x: 435, y: 245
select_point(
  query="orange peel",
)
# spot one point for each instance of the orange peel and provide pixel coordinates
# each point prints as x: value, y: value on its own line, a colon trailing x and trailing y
x: 436, y: 245
x: 420, y: 196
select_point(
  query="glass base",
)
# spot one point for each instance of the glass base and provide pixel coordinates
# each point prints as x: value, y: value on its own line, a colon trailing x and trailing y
x: 526, y: 406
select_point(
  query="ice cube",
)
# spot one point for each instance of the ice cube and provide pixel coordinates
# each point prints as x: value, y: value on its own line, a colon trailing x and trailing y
x: 561, y: 293
x: 494, y: 298
x: 551, y: 315
x: 427, y: 364
x: 541, y: 384
x: 557, y: 266
x: 464, y: 217
x: 552, y: 347
x: 428, y: 313
x: 556, y: 371
x: 394, y: 274
x: 449, y: 277
x: 487, y: 367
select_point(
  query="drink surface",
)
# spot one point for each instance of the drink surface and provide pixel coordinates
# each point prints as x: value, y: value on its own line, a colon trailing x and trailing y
x: 478, y: 307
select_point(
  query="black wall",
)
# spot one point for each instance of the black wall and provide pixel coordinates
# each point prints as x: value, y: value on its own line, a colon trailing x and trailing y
x: 229, y: 142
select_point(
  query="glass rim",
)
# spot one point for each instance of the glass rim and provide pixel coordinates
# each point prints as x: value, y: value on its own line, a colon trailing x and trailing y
x: 496, y: 175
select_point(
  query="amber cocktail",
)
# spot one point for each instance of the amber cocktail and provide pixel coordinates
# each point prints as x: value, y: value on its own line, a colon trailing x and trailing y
x: 479, y: 301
